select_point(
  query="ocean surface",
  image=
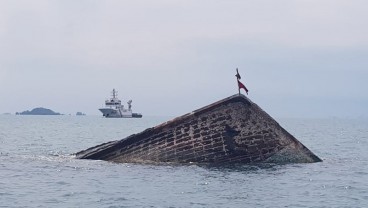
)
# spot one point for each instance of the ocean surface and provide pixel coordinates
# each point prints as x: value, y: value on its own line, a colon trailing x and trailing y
x: 37, y: 168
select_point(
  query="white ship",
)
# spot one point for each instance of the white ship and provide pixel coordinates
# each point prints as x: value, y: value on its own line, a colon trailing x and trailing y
x: 114, y: 108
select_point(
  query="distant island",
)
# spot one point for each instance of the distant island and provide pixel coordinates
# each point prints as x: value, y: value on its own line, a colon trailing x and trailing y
x: 38, y: 111
x: 80, y: 114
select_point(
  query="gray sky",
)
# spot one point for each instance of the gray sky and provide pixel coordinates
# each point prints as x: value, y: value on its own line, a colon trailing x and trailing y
x: 298, y: 58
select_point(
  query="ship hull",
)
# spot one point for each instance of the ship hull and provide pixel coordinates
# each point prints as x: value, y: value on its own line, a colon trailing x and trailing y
x: 116, y: 113
x: 136, y: 115
x: 110, y: 113
x: 233, y: 130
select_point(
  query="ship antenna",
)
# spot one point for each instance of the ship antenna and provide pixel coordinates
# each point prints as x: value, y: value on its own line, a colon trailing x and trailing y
x: 113, y: 93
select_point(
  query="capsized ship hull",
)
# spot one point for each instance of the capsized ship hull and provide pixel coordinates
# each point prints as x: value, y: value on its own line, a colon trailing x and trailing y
x: 232, y: 130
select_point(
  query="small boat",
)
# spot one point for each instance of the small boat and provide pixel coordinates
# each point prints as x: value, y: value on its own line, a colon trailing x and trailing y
x: 114, y: 108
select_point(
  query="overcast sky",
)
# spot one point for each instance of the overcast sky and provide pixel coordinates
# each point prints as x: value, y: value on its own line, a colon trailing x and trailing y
x: 298, y: 58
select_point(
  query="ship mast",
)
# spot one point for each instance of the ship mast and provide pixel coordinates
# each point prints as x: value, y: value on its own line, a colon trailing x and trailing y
x: 114, y: 93
x: 129, y: 105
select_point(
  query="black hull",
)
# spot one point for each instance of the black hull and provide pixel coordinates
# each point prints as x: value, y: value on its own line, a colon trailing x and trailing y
x: 137, y: 115
x: 233, y: 130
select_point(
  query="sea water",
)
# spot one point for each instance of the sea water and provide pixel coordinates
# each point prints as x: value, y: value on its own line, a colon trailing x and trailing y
x: 37, y: 168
